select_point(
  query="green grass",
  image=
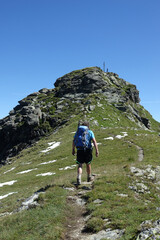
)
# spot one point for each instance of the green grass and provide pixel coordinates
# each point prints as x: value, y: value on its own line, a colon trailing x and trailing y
x: 45, y: 222
x: 123, y: 212
x: 113, y: 164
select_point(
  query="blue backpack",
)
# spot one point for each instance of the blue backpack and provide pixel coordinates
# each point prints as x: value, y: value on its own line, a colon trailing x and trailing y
x: 82, y: 137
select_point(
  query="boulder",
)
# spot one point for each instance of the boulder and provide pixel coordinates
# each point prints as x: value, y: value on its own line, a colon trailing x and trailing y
x: 44, y: 90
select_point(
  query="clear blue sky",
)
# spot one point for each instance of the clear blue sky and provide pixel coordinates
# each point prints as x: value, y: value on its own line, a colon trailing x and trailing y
x: 41, y: 40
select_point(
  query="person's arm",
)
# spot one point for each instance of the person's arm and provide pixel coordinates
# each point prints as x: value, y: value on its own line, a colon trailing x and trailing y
x: 73, y: 148
x: 96, y: 146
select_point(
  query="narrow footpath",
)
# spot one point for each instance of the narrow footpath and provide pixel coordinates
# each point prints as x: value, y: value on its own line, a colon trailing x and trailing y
x: 76, y: 222
x: 140, y: 151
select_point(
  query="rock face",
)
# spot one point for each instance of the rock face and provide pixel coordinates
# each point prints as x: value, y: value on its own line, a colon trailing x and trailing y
x: 24, y: 125
x: 94, y: 80
x: 44, y: 111
x: 18, y: 129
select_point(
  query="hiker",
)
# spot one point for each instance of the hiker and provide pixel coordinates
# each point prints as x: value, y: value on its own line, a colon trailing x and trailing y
x: 83, y: 142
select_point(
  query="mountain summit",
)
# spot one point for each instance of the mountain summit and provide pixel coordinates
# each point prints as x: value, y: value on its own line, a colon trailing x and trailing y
x: 94, y: 80
x: 75, y: 94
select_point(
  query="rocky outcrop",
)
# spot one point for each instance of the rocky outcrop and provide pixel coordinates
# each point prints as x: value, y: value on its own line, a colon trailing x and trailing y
x: 18, y: 130
x: 79, y: 84
x: 26, y: 124
x: 149, y: 229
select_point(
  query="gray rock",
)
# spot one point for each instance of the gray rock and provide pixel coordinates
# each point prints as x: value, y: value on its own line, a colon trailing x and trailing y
x: 44, y: 90
x: 95, y: 122
x: 141, y: 187
x: 27, y: 110
x: 107, y: 234
x: 137, y: 171
x: 32, y: 119
x: 30, y: 202
x: 149, y: 230
x: 78, y: 200
x: 98, y: 201
x: 60, y: 107
x: 91, y: 107
x: 157, y: 173
x: 148, y: 172
x: 12, y: 112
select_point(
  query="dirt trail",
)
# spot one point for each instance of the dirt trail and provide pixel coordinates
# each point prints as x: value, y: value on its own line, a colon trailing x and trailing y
x: 75, y: 229
x: 140, y: 151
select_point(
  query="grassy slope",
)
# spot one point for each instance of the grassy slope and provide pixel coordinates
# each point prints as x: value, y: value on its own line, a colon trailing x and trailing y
x: 47, y: 221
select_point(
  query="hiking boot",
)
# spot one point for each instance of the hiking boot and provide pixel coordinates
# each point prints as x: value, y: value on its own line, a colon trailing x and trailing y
x: 90, y: 179
x: 78, y: 181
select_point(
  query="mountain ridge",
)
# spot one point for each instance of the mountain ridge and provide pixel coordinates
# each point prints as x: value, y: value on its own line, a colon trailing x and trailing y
x: 40, y: 113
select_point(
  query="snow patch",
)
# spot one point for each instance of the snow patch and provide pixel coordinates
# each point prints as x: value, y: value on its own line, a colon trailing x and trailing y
x: 44, y: 163
x: 8, y: 183
x: 52, y: 145
x: 27, y: 163
x: 125, y: 133
x: 118, y: 136
x: 68, y: 167
x: 9, y: 170
x: 64, y: 158
x: 4, y: 196
x: 27, y: 171
x: 46, y: 174
x: 97, y: 144
x: 109, y: 138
